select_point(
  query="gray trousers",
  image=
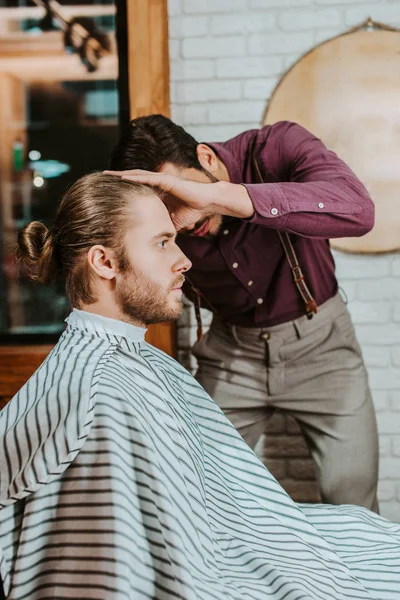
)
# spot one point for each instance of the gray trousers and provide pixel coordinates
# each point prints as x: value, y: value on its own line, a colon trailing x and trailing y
x: 312, y: 370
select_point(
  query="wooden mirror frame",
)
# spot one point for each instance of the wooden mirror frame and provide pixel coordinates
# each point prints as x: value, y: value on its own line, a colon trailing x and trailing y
x: 144, y: 30
x: 142, y: 36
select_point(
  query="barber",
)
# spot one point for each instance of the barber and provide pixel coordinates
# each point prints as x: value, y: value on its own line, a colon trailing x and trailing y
x: 255, y: 215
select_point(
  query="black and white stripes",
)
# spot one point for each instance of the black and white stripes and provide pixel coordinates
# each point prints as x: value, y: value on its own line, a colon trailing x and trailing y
x: 121, y: 479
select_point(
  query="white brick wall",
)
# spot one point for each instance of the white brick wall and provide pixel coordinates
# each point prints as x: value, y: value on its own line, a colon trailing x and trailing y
x: 374, y: 303
x: 226, y: 57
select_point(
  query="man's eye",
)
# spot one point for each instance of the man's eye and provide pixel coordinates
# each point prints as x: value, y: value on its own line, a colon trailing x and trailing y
x: 162, y: 244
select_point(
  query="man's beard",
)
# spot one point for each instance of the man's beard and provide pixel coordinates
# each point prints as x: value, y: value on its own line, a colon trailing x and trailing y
x: 142, y: 300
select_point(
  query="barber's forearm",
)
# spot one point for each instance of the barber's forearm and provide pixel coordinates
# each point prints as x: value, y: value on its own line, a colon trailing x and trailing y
x: 233, y: 200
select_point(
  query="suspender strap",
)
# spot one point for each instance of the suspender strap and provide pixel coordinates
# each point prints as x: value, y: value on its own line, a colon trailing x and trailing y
x: 196, y: 297
x: 196, y: 302
x: 298, y: 276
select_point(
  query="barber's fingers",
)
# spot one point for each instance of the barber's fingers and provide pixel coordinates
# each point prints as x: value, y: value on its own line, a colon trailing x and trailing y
x: 166, y: 183
x: 161, y: 180
x: 192, y: 194
x: 130, y: 172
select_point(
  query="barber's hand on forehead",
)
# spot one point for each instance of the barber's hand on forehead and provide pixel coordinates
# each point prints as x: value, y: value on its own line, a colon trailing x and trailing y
x: 189, y: 202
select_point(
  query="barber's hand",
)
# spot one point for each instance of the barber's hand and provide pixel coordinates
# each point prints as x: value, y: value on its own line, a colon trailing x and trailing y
x: 189, y: 202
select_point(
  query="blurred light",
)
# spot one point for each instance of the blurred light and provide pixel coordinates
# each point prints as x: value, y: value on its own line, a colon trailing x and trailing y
x: 49, y: 168
x: 34, y: 155
x: 38, y: 181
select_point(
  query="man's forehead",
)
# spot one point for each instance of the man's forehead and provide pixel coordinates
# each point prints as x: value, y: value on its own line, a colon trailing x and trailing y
x: 171, y: 169
x: 150, y: 214
x: 182, y: 172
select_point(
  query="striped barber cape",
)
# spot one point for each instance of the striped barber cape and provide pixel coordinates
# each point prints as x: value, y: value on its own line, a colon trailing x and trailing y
x: 121, y: 479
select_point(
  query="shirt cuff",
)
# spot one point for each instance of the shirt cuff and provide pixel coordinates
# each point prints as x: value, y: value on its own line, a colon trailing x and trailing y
x: 268, y: 200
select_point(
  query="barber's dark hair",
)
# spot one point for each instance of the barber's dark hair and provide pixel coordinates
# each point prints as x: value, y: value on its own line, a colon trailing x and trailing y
x: 150, y: 142
x: 93, y: 211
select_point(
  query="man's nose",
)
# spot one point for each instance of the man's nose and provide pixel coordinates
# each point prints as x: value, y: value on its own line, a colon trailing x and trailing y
x: 184, y: 264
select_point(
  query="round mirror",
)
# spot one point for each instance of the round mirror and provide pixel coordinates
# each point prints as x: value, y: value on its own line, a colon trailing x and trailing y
x: 347, y: 92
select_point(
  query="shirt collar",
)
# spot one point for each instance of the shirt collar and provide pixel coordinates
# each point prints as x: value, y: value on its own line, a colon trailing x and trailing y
x: 99, y: 324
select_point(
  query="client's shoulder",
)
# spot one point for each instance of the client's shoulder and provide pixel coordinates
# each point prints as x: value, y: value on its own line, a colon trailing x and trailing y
x: 43, y: 428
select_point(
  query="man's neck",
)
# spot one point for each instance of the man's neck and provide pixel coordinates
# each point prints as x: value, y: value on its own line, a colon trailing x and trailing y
x: 111, y: 312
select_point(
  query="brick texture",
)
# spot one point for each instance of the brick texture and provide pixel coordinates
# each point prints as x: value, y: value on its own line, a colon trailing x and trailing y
x: 226, y: 57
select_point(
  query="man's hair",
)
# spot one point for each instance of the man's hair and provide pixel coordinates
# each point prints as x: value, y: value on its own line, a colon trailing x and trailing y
x: 150, y: 142
x: 93, y: 211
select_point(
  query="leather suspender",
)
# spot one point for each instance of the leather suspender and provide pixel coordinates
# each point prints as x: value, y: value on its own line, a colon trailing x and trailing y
x: 298, y: 276
x: 196, y: 297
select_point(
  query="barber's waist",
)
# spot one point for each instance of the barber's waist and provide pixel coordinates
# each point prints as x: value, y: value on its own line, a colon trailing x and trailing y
x: 249, y: 313
x: 298, y: 327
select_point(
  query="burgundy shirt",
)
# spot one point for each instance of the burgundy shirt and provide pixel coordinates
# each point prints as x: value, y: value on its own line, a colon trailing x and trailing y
x: 309, y: 193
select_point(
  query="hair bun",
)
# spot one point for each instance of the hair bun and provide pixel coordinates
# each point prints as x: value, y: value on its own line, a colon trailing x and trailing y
x: 31, y: 241
x: 35, y: 251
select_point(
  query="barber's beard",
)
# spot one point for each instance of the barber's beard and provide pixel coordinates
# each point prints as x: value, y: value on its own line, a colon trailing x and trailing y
x: 142, y: 300
x: 215, y: 223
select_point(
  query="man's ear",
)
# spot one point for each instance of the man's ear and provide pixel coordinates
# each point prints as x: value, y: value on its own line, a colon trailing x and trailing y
x: 102, y: 261
x: 207, y: 158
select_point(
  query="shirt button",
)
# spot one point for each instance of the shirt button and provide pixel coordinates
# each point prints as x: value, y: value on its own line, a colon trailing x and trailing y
x: 265, y: 336
x: 260, y: 300
x: 225, y: 231
x: 250, y: 282
x: 274, y: 211
x: 235, y: 265
x: 321, y: 205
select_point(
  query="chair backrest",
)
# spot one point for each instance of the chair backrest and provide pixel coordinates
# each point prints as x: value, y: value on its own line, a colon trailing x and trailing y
x: 17, y: 364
